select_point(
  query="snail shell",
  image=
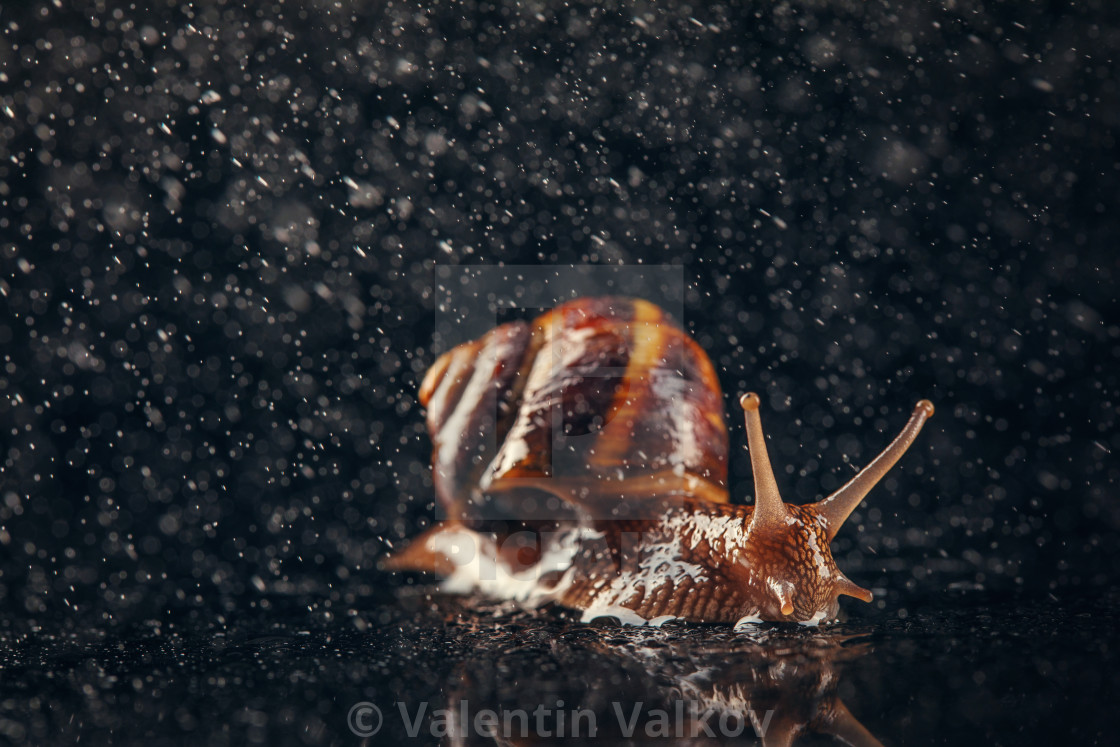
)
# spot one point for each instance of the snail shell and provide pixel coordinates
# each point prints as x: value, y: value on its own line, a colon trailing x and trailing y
x: 582, y: 459
x: 596, y: 401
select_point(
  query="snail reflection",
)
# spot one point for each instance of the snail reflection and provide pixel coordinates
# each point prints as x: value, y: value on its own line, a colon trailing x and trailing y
x: 635, y: 686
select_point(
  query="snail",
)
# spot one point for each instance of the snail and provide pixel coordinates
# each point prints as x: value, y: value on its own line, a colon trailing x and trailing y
x: 581, y: 459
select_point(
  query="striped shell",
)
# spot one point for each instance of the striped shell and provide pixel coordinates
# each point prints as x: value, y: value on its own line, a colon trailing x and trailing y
x: 596, y: 401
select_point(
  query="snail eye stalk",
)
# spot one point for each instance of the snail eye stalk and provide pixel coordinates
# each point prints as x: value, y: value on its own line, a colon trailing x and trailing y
x: 836, y: 508
x: 769, y: 510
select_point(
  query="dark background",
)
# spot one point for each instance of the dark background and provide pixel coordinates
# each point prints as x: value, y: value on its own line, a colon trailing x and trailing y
x: 220, y: 225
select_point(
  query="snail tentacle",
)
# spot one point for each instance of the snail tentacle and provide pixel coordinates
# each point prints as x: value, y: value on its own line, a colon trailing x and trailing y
x: 769, y: 510
x: 836, y: 508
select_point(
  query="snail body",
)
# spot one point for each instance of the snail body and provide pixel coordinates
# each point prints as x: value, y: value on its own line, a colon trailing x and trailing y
x: 582, y: 459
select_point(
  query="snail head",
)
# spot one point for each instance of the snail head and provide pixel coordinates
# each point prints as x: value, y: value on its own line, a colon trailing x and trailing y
x: 787, y: 555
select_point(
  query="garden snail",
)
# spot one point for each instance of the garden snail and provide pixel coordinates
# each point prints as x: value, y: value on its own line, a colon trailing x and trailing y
x: 582, y: 459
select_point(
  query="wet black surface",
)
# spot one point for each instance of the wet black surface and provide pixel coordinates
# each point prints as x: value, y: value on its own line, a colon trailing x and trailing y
x: 962, y: 670
x: 221, y: 228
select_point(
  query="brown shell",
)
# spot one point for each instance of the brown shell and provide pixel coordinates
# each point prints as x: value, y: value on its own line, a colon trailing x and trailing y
x: 601, y: 403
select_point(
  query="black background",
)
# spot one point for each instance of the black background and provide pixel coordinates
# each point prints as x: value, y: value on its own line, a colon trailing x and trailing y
x: 220, y: 226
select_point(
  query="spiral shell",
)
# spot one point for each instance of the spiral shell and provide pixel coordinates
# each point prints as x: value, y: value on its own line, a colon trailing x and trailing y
x: 594, y: 403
